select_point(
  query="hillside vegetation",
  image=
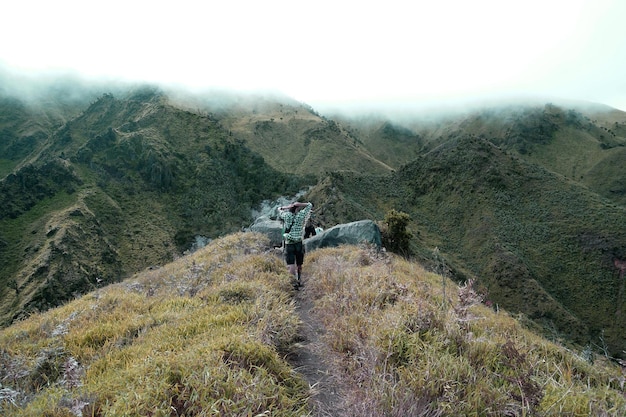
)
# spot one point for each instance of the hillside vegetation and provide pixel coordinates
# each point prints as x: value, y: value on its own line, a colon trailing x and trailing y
x: 126, y: 184
x: 293, y: 138
x: 587, y: 145
x: 527, y: 200
x: 212, y: 334
x: 535, y: 242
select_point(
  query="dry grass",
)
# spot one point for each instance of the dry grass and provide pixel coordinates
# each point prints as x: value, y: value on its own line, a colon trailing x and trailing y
x: 207, y: 335
x: 200, y: 336
x: 403, y: 351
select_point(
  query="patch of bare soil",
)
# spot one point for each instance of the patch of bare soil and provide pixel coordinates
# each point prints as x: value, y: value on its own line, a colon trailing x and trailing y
x: 310, y: 359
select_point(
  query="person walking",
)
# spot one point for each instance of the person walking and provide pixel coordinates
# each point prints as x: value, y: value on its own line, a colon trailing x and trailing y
x: 295, y: 217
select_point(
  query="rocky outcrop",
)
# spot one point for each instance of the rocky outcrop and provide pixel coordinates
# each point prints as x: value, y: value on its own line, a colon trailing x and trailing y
x: 272, y: 228
x: 355, y: 233
x: 363, y: 231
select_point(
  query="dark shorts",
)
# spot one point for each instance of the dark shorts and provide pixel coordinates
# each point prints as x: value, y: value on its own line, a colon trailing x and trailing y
x: 294, y: 253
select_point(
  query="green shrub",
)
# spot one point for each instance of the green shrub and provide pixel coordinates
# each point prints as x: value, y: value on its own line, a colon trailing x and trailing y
x: 395, y: 235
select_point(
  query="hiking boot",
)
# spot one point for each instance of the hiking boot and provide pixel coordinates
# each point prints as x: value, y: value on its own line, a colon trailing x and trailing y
x: 297, y: 284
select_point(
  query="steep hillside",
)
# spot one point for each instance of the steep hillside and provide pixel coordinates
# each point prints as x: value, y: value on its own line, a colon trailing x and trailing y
x: 537, y: 242
x: 568, y: 142
x: 585, y: 144
x: 32, y: 108
x: 219, y: 332
x: 389, y: 141
x: 126, y: 184
x: 23, y: 130
x: 293, y: 138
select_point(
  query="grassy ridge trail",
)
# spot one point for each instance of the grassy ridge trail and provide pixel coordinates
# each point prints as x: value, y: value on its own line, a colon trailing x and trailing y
x: 310, y: 359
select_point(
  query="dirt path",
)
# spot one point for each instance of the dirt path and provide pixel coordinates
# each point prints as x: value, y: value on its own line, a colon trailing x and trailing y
x: 308, y: 359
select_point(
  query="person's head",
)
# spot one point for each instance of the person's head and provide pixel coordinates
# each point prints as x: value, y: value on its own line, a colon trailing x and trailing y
x: 293, y: 209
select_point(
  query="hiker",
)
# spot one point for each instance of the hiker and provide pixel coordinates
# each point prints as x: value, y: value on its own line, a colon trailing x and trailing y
x: 294, y: 216
x: 309, y: 229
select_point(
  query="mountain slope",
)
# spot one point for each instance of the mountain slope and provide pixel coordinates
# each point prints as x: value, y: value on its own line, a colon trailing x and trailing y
x: 23, y: 129
x: 293, y: 138
x: 390, y: 141
x: 537, y: 242
x: 126, y: 184
x: 585, y: 144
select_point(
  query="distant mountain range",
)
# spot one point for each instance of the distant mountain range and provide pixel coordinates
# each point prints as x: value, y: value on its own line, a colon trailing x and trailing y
x: 528, y: 199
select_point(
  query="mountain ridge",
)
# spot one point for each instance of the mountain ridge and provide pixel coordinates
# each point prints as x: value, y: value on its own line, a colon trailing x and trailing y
x: 142, y: 172
x: 218, y: 331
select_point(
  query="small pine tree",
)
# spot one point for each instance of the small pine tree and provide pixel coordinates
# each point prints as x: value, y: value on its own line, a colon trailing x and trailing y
x: 395, y: 236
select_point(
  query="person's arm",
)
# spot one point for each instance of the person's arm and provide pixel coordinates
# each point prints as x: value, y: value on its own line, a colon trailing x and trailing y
x: 282, y: 211
x: 305, y: 209
x: 297, y: 204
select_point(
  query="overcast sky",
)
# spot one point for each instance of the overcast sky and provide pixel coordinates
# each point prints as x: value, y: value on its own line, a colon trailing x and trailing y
x: 334, y: 52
